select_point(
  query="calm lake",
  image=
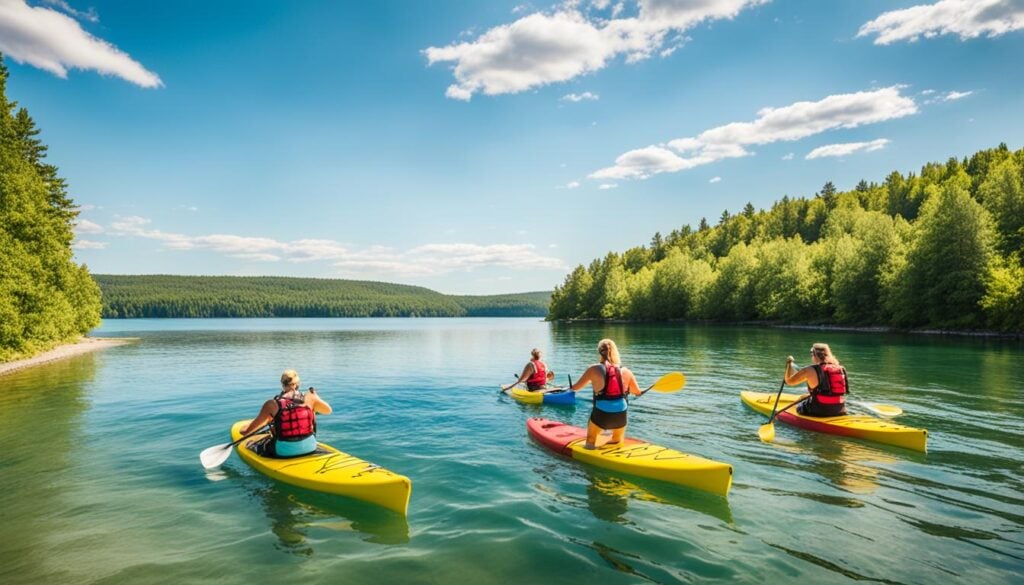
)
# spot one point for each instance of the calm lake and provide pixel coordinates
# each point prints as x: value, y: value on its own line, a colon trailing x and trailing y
x: 100, y: 480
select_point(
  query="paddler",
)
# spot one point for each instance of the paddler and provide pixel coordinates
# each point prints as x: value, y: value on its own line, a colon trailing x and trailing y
x: 611, y: 382
x: 535, y: 373
x: 826, y: 382
x: 292, y: 419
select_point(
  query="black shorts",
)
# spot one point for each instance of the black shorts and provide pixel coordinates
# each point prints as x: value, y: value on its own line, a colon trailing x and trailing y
x: 812, y: 407
x: 534, y: 387
x: 608, y: 420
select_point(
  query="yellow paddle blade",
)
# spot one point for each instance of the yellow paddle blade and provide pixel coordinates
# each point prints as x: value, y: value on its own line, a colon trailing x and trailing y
x: 670, y: 382
x: 767, y: 432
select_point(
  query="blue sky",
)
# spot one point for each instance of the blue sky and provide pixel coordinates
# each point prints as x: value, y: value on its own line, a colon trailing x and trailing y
x: 484, y: 147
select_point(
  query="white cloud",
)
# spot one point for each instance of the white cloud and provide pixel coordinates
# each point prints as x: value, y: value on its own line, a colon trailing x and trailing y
x: 788, y: 156
x: 89, y: 245
x: 89, y: 15
x: 846, y: 148
x: 541, y: 48
x: 84, y: 226
x: 579, y: 97
x: 955, y: 95
x: 572, y: 184
x: 55, y: 42
x: 606, y: 186
x: 792, y: 122
x: 426, y: 260
x: 949, y: 96
x: 967, y: 19
x: 715, y: 180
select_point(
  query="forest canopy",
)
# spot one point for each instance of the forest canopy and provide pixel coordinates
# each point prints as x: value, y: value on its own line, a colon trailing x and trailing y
x: 938, y: 249
x: 45, y: 297
x: 271, y: 296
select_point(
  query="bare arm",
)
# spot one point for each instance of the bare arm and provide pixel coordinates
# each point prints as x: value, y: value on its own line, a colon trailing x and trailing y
x: 319, y: 405
x: 263, y: 418
x: 527, y: 372
x: 591, y: 376
x: 794, y: 376
x: 630, y: 381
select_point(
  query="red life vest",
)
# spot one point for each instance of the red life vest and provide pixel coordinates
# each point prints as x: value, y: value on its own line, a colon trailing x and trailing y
x: 539, y: 377
x: 613, y: 389
x: 832, y: 384
x: 294, y: 420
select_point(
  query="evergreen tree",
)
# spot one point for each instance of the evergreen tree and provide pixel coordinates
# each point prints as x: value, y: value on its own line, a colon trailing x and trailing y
x: 948, y: 262
x: 45, y: 298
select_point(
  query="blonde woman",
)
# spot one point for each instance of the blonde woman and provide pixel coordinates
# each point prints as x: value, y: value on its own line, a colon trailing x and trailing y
x: 535, y: 373
x: 826, y: 382
x: 611, y: 382
x: 292, y: 419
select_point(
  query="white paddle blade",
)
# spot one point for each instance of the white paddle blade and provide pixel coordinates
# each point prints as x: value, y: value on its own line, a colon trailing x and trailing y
x: 214, y: 457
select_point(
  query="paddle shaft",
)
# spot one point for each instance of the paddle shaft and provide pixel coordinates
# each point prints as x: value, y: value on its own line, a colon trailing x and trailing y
x: 777, y: 396
x: 788, y: 406
x: 244, y: 437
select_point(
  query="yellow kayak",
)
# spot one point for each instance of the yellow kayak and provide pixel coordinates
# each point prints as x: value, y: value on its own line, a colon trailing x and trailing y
x: 331, y: 471
x: 861, y: 427
x: 564, y: 397
x: 635, y: 457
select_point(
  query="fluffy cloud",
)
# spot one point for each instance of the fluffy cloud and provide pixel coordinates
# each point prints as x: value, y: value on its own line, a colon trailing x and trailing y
x: 426, y: 260
x: 55, y: 42
x: 967, y: 19
x: 846, y: 148
x: 579, y: 97
x: 84, y: 226
x: 88, y: 245
x: 539, y: 49
x: 715, y: 180
x: 572, y: 184
x: 792, y: 122
x: 606, y: 186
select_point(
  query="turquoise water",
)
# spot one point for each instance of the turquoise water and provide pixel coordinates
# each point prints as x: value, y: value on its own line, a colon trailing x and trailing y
x: 100, y: 480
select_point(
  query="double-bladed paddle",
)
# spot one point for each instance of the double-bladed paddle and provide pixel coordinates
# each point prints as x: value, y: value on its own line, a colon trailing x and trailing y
x: 213, y: 457
x: 767, y: 430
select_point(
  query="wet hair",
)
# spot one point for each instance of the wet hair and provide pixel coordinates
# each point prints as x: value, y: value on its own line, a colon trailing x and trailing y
x: 535, y: 352
x: 289, y: 377
x: 609, y: 352
x: 824, y: 353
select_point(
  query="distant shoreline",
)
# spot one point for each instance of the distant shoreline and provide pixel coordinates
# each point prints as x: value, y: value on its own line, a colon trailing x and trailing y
x: 67, y: 350
x: 847, y: 328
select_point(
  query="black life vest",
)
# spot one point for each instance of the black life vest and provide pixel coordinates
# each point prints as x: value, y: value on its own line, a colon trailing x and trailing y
x: 294, y: 420
x: 832, y: 384
x: 539, y: 377
x: 613, y: 389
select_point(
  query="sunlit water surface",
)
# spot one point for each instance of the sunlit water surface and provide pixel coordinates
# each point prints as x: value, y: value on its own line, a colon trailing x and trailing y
x: 100, y: 480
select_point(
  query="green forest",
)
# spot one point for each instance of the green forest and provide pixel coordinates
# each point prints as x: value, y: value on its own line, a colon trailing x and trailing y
x: 938, y: 249
x: 269, y: 296
x: 45, y: 298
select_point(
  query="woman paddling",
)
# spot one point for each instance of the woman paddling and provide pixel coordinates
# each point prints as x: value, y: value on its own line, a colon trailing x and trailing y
x: 826, y: 382
x: 535, y: 373
x: 292, y: 418
x: 611, y: 383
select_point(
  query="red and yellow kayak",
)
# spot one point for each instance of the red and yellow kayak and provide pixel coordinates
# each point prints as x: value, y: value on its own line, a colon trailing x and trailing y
x: 862, y: 427
x: 634, y: 457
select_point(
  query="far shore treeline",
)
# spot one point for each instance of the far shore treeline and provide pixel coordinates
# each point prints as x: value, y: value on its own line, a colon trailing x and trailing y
x: 45, y: 298
x: 938, y: 249
x: 270, y: 296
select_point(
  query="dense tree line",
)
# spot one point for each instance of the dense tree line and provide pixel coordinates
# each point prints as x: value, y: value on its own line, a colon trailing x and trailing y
x: 267, y: 296
x: 45, y: 298
x: 942, y: 249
